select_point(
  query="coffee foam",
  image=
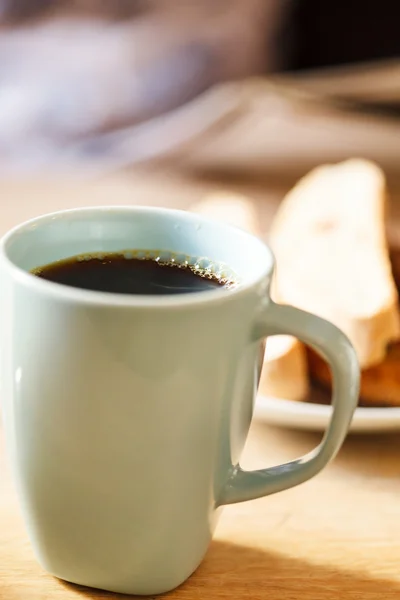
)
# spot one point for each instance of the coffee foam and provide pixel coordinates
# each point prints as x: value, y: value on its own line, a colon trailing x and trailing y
x: 200, y: 266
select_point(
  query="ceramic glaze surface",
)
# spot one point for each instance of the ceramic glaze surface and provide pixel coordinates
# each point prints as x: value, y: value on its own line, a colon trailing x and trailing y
x: 125, y: 417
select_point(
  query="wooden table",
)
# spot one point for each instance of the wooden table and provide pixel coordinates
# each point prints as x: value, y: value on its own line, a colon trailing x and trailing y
x: 336, y: 537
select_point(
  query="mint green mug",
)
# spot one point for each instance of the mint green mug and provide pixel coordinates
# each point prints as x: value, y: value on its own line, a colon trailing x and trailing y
x: 125, y: 416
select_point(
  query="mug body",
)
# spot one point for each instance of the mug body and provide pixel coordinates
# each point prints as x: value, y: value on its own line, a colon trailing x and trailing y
x: 125, y: 415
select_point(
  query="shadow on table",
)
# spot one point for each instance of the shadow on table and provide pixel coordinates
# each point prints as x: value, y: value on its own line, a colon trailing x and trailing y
x: 232, y: 572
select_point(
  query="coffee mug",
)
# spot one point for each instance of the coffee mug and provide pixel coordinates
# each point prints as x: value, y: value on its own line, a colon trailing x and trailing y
x: 125, y: 416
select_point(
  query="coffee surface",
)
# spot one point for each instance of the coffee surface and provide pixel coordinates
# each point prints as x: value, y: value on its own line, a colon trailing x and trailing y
x: 117, y: 273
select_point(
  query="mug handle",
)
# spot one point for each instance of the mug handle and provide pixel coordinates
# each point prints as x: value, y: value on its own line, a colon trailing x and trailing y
x: 334, y: 347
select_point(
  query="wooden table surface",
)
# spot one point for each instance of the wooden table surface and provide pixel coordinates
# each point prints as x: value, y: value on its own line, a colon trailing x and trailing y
x: 336, y: 537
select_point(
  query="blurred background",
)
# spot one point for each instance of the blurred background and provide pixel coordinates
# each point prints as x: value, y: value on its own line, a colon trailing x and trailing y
x: 256, y: 88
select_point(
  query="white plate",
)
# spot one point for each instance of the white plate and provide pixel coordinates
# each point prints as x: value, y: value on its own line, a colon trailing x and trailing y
x: 315, y: 417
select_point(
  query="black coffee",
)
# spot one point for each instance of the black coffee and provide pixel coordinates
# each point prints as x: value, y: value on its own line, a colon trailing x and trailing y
x: 116, y: 273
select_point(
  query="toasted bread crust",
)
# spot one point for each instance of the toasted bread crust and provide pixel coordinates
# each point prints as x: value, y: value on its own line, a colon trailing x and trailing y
x: 380, y: 384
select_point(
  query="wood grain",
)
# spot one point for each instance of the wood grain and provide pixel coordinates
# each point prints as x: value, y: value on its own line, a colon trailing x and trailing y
x: 335, y: 537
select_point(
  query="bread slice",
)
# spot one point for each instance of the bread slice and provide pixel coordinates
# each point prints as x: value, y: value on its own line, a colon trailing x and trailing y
x: 380, y: 384
x: 231, y: 208
x: 284, y: 372
x: 332, y: 257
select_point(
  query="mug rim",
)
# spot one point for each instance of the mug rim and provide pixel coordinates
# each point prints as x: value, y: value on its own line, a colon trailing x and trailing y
x: 94, y: 297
